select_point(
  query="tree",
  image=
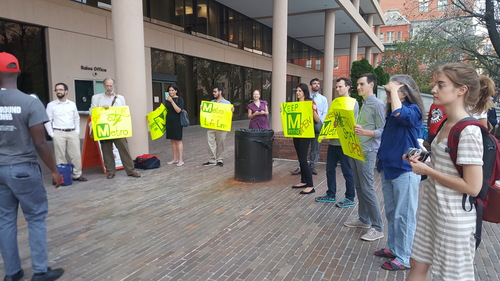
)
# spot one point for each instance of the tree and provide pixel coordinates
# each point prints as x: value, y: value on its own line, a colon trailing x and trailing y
x: 468, y: 25
x: 361, y: 67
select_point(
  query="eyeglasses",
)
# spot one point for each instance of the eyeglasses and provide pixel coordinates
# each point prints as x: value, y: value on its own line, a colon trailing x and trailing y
x: 215, y: 91
x: 59, y: 90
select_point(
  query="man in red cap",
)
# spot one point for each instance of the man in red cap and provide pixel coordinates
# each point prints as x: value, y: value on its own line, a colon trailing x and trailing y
x: 22, y: 138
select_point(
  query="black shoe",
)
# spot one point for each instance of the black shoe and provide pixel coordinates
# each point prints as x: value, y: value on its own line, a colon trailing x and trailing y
x: 14, y: 277
x: 209, y: 164
x: 300, y: 186
x: 50, y: 275
x: 81, y: 178
x: 313, y: 171
x: 220, y: 163
x: 308, y: 192
x: 295, y: 172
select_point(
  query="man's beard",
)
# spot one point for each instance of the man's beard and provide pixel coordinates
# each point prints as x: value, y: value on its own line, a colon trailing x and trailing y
x: 60, y: 96
x: 112, y: 92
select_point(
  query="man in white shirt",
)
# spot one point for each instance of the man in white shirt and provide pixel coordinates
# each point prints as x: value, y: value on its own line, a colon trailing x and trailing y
x: 64, y: 128
x: 107, y: 99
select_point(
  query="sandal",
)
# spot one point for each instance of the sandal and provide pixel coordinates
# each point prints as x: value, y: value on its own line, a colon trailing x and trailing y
x: 384, y: 253
x: 393, y: 266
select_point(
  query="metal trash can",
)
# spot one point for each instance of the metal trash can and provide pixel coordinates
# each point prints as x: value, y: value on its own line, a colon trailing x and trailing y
x: 253, y: 155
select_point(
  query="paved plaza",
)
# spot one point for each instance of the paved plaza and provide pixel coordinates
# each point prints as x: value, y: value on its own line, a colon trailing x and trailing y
x: 198, y: 223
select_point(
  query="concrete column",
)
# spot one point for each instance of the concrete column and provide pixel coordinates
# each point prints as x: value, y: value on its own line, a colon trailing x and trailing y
x: 130, y: 68
x: 376, y: 58
x: 368, y: 54
x: 355, y: 3
x: 329, y: 47
x: 353, y: 50
x: 377, y: 31
x: 370, y: 20
x: 280, y: 32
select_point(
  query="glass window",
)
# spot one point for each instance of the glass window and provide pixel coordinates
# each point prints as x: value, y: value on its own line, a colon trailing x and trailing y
x: 27, y: 44
x: 163, y: 10
x: 335, y: 63
x: 267, y: 40
x: 423, y: 5
x: 390, y: 36
x: 308, y: 63
x: 257, y: 35
x: 399, y: 35
x: 201, y: 16
x: 442, y: 5
x: 318, y: 64
x: 234, y: 29
x: 381, y: 36
x: 247, y: 25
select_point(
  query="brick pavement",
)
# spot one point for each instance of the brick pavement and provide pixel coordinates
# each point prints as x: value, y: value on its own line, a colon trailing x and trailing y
x: 198, y: 223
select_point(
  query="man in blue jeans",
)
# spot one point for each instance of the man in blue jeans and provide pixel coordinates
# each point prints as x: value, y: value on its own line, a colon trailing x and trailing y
x: 369, y: 128
x: 22, y: 137
x: 336, y: 155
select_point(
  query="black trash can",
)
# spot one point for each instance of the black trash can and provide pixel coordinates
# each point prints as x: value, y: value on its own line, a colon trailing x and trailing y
x: 253, y: 155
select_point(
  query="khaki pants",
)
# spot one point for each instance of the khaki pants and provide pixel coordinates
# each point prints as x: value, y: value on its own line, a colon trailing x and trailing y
x: 109, y: 159
x: 216, y: 140
x: 68, y: 142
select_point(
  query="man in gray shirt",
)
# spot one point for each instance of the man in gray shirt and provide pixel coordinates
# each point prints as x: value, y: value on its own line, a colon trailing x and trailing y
x: 370, y: 124
x: 22, y: 140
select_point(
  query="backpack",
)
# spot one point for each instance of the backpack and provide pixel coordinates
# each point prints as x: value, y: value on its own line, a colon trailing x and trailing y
x: 487, y: 202
x: 147, y: 161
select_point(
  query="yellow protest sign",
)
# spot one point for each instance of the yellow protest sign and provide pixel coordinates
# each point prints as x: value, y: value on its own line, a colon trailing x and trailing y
x: 349, y: 141
x: 112, y: 123
x: 215, y: 115
x: 157, y: 122
x: 297, y: 119
x: 328, y: 130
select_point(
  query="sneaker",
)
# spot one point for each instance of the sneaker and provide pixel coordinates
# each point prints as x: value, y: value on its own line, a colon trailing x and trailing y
x: 357, y: 223
x: 326, y: 198
x: 295, y: 172
x: 209, y: 164
x: 220, y: 163
x: 346, y: 203
x: 372, y: 235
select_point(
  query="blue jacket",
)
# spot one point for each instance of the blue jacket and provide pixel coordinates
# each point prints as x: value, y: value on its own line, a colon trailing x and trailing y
x: 400, y: 133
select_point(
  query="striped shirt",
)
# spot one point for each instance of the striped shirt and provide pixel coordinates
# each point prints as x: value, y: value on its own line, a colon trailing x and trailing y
x: 445, y: 232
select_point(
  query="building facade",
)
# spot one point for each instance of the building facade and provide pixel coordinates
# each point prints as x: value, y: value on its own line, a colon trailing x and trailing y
x: 196, y: 44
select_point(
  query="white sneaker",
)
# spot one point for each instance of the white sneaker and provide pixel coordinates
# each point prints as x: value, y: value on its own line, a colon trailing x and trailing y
x: 357, y: 223
x: 372, y: 235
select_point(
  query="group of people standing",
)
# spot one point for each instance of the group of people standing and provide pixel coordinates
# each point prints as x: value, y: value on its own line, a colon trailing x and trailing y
x: 442, y: 234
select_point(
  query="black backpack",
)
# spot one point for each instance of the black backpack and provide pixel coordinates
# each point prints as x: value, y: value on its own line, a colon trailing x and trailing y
x: 147, y: 161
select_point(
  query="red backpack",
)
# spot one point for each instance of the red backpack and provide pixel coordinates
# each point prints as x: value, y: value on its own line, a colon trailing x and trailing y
x: 487, y: 202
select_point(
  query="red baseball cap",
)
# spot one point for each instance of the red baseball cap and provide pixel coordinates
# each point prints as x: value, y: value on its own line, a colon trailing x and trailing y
x: 8, y: 63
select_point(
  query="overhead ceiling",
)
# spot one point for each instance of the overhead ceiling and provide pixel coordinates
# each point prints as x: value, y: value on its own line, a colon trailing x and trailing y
x: 306, y: 21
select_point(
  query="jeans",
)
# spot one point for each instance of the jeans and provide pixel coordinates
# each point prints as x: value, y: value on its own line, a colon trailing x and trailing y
x: 301, y: 147
x: 368, y: 203
x: 401, y: 202
x: 314, y: 155
x: 22, y: 185
x: 334, y: 156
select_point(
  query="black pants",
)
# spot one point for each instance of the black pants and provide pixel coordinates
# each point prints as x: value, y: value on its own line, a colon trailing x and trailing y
x: 302, y: 147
